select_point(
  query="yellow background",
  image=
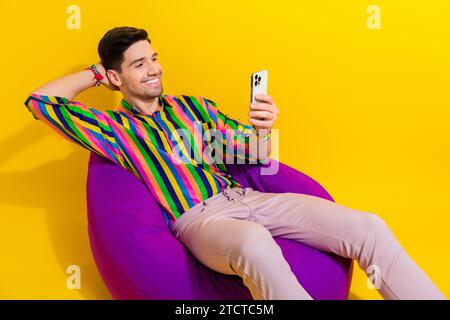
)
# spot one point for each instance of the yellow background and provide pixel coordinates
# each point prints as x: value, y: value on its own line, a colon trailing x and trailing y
x: 364, y: 112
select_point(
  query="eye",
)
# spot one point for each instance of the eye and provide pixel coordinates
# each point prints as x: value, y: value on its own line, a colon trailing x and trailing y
x: 140, y: 64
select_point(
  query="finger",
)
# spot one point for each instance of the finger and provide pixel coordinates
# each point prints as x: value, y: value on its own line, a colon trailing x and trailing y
x: 260, y: 106
x: 261, y: 114
x: 264, y: 98
x: 260, y: 123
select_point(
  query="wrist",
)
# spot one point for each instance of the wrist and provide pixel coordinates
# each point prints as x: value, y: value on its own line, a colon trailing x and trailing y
x: 97, y: 77
x: 264, y: 134
x: 89, y: 78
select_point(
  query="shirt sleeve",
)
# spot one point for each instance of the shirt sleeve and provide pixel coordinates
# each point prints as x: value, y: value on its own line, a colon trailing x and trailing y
x: 85, y: 126
x: 235, y: 134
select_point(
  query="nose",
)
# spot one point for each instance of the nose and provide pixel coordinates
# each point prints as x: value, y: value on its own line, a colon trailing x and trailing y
x: 153, y: 71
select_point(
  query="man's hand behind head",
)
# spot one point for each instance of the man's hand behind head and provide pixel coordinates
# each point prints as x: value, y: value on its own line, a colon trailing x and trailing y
x: 105, y: 81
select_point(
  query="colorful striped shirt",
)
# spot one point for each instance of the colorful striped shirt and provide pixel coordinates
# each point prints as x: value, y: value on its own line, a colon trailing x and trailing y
x: 171, y: 151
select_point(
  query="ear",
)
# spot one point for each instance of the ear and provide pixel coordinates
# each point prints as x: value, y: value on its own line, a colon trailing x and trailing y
x: 113, y: 77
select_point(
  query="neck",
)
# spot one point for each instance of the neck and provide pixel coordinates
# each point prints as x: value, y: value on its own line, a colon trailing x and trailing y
x: 144, y: 106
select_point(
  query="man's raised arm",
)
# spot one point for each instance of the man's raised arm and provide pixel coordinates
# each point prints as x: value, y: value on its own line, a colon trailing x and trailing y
x: 71, y: 85
x: 88, y: 127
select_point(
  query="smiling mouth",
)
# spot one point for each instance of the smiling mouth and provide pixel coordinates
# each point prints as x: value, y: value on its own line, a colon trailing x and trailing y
x: 152, y: 82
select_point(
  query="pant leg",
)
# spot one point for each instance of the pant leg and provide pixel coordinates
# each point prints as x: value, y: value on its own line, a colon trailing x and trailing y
x: 222, y: 238
x: 350, y: 233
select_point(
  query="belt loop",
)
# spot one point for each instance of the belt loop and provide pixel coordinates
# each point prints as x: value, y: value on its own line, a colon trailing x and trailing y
x: 204, y: 205
x: 226, y: 194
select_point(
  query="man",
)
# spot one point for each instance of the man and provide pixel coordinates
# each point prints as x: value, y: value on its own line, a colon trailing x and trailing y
x: 227, y: 227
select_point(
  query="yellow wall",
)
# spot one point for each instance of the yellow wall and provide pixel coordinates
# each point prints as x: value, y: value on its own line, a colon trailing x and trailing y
x: 363, y: 111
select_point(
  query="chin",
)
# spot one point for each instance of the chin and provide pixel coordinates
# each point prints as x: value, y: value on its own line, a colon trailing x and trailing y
x: 153, y: 93
x: 159, y: 91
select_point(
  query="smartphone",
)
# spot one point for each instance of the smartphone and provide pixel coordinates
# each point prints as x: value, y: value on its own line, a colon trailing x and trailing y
x: 258, y: 84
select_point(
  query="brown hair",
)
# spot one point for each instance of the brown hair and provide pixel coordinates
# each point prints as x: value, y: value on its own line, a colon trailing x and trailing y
x: 112, y: 46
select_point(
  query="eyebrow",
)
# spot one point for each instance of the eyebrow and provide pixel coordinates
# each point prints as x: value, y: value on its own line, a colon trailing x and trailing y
x: 137, y: 60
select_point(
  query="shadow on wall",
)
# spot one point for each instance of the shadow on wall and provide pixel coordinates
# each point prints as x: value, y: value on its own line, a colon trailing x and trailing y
x: 58, y: 188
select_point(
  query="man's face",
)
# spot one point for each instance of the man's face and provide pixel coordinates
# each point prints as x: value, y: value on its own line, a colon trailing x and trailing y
x: 141, y: 72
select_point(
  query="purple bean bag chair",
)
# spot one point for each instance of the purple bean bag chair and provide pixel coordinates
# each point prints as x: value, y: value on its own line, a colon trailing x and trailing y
x: 138, y: 257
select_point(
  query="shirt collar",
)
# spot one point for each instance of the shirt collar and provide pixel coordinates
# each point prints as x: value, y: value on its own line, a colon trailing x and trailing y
x: 161, y: 101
